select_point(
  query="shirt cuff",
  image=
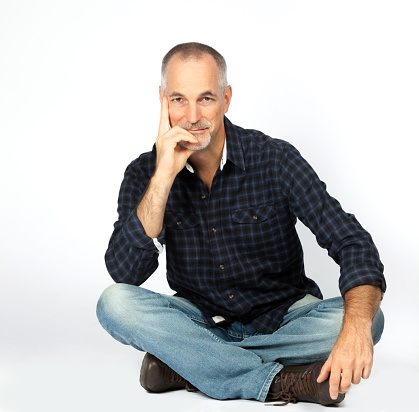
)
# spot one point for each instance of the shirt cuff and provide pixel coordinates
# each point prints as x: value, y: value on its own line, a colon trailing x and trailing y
x: 135, y: 233
x: 158, y: 245
x: 363, y: 276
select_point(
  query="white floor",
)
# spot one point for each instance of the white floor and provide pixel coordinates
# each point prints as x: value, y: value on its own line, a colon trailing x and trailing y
x: 99, y: 381
x: 78, y: 367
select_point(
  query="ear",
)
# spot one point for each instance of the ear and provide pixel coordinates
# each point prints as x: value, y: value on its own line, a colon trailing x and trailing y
x: 161, y: 94
x: 227, y: 98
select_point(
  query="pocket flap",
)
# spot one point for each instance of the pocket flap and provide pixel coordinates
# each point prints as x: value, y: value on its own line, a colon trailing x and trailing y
x: 253, y: 215
x: 179, y: 221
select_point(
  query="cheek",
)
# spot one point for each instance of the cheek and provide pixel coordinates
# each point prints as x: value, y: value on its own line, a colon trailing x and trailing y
x: 216, y: 117
x: 175, y: 116
x: 213, y: 115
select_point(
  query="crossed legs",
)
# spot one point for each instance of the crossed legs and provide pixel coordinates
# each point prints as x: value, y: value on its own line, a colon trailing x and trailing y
x: 223, y: 362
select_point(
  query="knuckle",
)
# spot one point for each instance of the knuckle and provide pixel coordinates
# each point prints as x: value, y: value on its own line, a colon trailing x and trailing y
x: 345, y: 386
x: 366, y: 375
x: 334, y: 381
x: 356, y: 380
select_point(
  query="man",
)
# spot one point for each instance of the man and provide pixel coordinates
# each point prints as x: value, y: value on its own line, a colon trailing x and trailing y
x: 246, y: 322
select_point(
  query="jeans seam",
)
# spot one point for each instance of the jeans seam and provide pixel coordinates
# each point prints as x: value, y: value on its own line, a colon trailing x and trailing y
x: 235, y: 335
x: 268, y: 381
x: 189, y: 316
x: 215, y: 337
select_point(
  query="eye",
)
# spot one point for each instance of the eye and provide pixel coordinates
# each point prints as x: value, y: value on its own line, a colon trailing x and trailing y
x: 207, y: 99
x: 177, y: 100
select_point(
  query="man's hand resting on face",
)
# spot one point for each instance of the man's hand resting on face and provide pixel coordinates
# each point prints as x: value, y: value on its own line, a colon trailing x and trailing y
x: 171, y: 158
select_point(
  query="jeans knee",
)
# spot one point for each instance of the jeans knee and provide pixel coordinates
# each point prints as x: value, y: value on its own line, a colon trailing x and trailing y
x: 122, y: 304
x: 377, y: 326
x: 110, y: 304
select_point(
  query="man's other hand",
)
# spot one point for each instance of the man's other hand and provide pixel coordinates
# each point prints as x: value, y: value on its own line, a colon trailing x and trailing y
x: 352, y: 355
x: 350, y: 360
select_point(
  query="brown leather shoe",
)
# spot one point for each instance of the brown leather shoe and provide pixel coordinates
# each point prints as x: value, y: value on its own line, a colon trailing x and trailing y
x: 156, y: 376
x: 299, y: 384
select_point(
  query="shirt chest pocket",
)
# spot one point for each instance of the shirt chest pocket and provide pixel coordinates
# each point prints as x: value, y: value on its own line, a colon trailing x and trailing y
x: 255, y: 230
x: 182, y: 241
x: 253, y: 215
x: 177, y: 221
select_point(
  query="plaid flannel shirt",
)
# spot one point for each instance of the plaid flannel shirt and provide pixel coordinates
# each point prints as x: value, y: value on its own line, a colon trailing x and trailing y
x: 235, y: 252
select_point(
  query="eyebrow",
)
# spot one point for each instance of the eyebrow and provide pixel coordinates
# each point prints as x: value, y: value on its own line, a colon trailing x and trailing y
x: 173, y: 94
x: 206, y: 93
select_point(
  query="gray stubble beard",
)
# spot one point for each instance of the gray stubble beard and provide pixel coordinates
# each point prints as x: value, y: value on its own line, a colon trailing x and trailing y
x: 195, y: 146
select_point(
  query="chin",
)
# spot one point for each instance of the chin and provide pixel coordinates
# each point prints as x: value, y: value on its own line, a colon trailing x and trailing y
x: 196, y: 146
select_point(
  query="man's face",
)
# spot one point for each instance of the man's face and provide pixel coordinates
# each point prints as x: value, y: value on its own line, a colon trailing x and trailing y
x: 196, y: 102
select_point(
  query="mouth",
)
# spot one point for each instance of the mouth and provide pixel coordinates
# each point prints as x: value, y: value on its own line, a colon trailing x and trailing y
x: 196, y: 131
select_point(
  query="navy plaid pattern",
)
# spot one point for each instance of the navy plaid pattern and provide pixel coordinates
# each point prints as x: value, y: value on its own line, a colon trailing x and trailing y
x: 235, y: 252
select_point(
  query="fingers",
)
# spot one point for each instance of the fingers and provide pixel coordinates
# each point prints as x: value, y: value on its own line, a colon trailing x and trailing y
x: 164, y: 125
x: 176, y: 135
x: 367, y: 371
x: 345, y: 381
x: 341, y: 379
x: 356, y: 377
x: 342, y: 373
x: 334, y: 382
x: 171, y: 157
x: 324, y: 373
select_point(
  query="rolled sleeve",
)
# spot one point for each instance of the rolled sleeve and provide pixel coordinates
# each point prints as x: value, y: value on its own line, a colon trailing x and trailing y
x: 366, y: 275
x: 135, y: 234
x: 347, y: 242
x: 132, y: 256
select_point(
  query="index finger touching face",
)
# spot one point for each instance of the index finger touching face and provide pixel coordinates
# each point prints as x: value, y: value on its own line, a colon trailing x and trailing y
x: 164, y: 117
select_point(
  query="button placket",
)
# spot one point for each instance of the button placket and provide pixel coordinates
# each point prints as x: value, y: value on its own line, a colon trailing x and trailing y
x: 216, y: 239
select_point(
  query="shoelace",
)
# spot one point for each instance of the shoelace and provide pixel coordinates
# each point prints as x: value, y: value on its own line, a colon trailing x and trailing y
x: 190, y: 388
x: 176, y: 378
x: 292, y: 387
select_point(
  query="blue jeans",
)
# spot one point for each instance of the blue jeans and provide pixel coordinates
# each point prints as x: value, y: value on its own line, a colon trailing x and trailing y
x: 234, y: 361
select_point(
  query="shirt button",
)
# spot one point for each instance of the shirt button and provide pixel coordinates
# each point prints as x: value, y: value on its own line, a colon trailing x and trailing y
x: 231, y: 296
x: 203, y: 197
x: 255, y: 217
x: 179, y: 223
x: 214, y: 229
x: 222, y: 267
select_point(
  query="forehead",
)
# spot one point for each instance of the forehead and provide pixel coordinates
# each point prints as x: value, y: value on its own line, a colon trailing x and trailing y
x: 192, y: 75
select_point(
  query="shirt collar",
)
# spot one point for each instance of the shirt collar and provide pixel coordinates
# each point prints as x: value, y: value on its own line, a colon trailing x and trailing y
x: 234, y: 136
x: 222, y: 163
x: 235, y: 151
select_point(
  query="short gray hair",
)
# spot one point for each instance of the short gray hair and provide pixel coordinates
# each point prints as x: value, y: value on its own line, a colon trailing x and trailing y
x: 195, y: 50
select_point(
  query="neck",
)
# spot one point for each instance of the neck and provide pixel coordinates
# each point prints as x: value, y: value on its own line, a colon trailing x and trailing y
x: 206, y: 162
x: 209, y: 159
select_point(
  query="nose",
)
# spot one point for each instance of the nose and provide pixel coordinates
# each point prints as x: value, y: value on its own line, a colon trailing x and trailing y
x: 193, y: 113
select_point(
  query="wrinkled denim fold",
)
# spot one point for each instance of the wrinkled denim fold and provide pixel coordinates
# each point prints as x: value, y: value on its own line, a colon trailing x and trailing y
x: 226, y: 362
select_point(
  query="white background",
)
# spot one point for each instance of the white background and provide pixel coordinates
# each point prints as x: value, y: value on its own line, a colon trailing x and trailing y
x: 79, y: 100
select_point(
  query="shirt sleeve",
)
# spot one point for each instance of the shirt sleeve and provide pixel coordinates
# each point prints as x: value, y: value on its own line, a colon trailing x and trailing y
x: 347, y: 242
x: 132, y: 256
